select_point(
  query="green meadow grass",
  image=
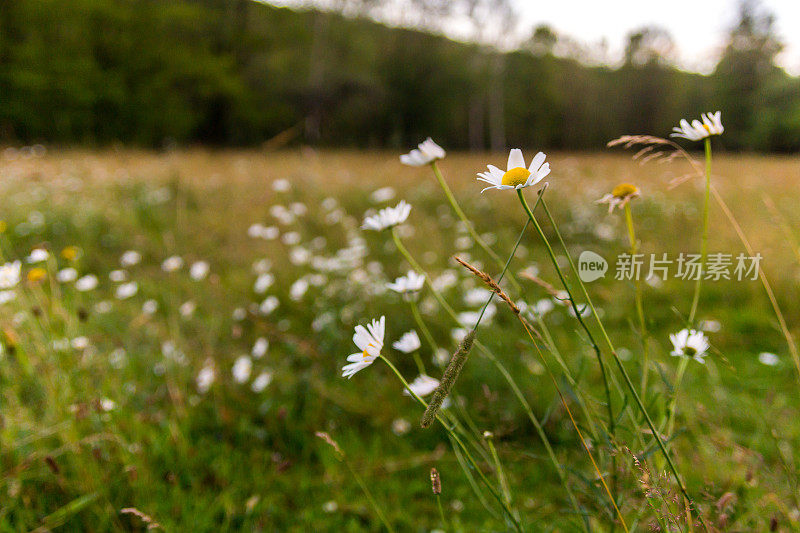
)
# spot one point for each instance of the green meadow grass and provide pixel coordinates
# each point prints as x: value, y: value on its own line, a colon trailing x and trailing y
x: 233, y: 459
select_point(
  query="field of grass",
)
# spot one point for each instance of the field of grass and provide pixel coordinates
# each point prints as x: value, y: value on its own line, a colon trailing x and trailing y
x: 124, y: 396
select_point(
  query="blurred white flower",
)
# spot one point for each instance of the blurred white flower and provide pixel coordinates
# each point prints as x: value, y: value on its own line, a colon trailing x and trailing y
x: 291, y: 238
x: 10, y: 274
x: 269, y: 304
x: 187, y: 308
x: 117, y: 276
x: 86, y: 283
x: 516, y: 175
x: 408, y: 342
x: 37, y: 255
x: 543, y: 306
x: 281, y: 185
x: 370, y: 341
x: 400, y: 426
x: 476, y: 296
x: 261, y: 382
x: 410, y: 283
x: 7, y: 296
x: 79, y: 343
x: 689, y: 343
x: 298, y: 289
x: 422, y: 385
x: 260, y: 348
x: 769, y: 359
x: 425, y: 153
x: 255, y: 230
x: 66, y: 275
x: 205, y: 378
x: 384, y: 194
x: 149, y: 307
x: 388, y: 217
x: 242, y: 368
x: 263, y: 282
x: 130, y: 258
x: 711, y: 125
x: 107, y: 404
x: 126, y: 290
x: 172, y: 263
x: 239, y: 314
x: 199, y: 270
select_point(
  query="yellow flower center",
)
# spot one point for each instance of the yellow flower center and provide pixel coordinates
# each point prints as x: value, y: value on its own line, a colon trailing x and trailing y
x: 623, y: 190
x: 708, y: 129
x: 70, y: 253
x: 688, y: 350
x: 516, y: 176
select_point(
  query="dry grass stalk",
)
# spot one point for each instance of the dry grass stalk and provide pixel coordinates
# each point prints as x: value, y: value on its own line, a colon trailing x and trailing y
x: 492, y: 284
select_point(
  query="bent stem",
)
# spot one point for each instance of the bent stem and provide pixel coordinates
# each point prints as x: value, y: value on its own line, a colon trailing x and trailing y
x: 704, y: 241
x: 637, y: 287
x: 511, y: 515
x: 629, y: 384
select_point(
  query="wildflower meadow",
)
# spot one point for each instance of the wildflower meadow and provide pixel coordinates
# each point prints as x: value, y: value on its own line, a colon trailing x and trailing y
x: 274, y: 341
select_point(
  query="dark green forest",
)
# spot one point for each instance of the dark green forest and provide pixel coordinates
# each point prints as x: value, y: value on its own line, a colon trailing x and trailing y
x: 236, y: 73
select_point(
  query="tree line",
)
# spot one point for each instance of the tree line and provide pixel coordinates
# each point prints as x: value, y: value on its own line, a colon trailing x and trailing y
x: 238, y: 72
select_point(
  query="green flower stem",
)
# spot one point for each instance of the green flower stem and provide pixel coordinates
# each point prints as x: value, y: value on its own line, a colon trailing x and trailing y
x: 464, y: 449
x: 501, y: 475
x: 470, y: 228
x: 441, y: 511
x: 499, y: 365
x: 704, y: 241
x: 637, y: 287
x: 674, y: 402
x: 619, y: 364
x: 425, y: 333
x: 369, y: 496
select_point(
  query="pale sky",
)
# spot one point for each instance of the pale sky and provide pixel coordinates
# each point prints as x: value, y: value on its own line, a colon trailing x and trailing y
x: 697, y: 26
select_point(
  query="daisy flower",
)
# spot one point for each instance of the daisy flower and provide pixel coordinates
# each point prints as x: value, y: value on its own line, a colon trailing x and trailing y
x: 172, y: 263
x: 689, y: 343
x: 388, y: 217
x: 408, y: 343
x: 199, y: 270
x: 620, y: 196
x: 516, y: 176
x: 410, y: 283
x: 38, y: 255
x: 696, y: 131
x: 242, y: 368
x: 370, y: 341
x: 86, y: 283
x: 426, y: 152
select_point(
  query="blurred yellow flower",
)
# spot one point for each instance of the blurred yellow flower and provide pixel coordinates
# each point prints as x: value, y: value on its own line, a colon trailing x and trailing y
x: 36, y: 274
x: 71, y: 253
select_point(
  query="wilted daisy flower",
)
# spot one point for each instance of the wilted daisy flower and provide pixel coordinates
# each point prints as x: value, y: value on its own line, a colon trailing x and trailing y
x: 205, y: 378
x: 516, y: 175
x: 126, y: 290
x: 408, y: 284
x: 37, y: 256
x: 172, y: 263
x: 711, y: 125
x: 242, y: 368
x: 388, y: 217
x: 86, y: 283
x: 689, y: 343
x: 370, y: 341
x: 10, y: 274
x: 620, y: 196
x: 408, y: 342
x: 426, y: 152
x: 422, y: 385
x: 261, y: 382
x: 66, y: 275
x: 130, y: 258
x: 199, y: 270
